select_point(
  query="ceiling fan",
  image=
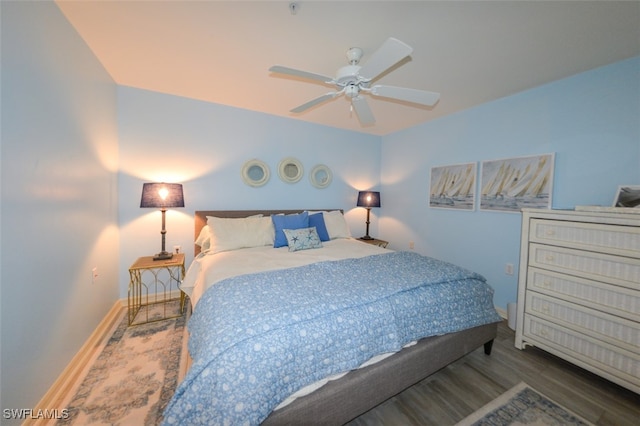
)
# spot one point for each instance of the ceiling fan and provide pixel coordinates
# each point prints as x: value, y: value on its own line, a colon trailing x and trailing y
x: 353, y: 80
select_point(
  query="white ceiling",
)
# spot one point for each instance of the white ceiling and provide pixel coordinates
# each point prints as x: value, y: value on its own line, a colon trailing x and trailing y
x: 471, y: 52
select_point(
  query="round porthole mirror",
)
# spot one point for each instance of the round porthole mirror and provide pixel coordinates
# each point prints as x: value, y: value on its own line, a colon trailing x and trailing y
x: 290, y: 170
x: 255, y: 173
x: 320, y: 176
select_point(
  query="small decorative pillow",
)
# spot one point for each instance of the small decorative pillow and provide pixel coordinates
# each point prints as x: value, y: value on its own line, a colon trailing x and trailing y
x: 302, y: 239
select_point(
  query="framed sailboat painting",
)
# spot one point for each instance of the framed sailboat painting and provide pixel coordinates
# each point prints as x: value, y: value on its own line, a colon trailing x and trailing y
x: 453, y: 187
x: 514, y: 183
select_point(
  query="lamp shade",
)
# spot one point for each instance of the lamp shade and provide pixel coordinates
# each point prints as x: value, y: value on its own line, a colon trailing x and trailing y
x: 162, y: 195
x: 368, y: 199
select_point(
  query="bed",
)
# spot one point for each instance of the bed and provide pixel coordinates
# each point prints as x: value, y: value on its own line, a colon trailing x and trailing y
x: 318, y: 330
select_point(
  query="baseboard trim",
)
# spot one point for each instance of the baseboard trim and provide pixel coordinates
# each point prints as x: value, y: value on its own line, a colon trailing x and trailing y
x: 69, y: 376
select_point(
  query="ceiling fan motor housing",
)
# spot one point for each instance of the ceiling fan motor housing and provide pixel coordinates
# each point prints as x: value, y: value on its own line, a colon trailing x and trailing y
x: 347, y: 75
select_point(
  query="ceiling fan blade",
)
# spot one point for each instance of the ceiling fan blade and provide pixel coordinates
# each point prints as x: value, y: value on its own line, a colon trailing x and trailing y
x: 390, y: 53
x: 363, y: 110
x: 315, y: 102
x: 303, y: 74
x: 410, y: 95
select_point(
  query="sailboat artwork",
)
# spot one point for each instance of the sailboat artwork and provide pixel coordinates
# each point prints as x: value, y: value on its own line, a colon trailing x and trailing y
x: 516, y: 183
x: 453, y: 187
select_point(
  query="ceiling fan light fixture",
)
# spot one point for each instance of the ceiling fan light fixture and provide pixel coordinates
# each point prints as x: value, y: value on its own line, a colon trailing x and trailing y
x: 351, y: 91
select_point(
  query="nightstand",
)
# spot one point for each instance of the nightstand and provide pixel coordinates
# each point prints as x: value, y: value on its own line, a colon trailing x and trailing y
x: 375, y: 242
x: 153, y: 286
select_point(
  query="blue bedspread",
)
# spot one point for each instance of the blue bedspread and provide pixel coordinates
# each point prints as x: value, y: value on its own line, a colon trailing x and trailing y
x: 256, y: 339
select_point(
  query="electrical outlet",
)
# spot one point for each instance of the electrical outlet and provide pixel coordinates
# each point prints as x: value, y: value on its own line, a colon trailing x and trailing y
x: 412, y: 245
x: 94, y: 275
x: 508, y: 269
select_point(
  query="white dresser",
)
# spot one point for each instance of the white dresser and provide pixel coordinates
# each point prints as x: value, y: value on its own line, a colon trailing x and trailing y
x: 579, y: 290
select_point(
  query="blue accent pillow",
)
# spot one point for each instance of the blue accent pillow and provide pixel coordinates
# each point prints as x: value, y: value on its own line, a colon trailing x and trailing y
x: 302, y: 239
x: 317, y: 220
x: 289, y: 221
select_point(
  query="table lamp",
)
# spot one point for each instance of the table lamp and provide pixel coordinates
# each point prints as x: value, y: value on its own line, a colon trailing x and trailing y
x: 368, y: 199
x: 162, y: 195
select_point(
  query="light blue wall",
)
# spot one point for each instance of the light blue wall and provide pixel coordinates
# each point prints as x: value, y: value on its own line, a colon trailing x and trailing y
x: 59, y: 213
x: 204, y: 146
x: 591, y: 121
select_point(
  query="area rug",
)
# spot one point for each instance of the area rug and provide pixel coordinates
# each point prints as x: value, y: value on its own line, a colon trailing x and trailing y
x: 134, y: 376
x: 522, y: 405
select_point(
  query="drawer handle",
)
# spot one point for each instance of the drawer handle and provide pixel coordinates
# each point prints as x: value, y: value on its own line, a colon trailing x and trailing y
x: 546, y: 283
x: 543, y: 332
x: 545, y: 309
x: 549, y: 258
x: 550, y: 232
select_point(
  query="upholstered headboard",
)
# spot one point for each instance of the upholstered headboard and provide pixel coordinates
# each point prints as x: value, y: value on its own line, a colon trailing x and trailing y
x: 201, y: 218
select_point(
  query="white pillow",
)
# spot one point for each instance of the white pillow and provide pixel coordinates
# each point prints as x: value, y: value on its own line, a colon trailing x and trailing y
x: 204, y: 239
x: 235, y: 233
x: 336, y: 225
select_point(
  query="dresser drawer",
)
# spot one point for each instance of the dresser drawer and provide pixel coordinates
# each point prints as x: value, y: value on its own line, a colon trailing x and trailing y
x: 616, y: 270
x: 614, y: 363
x: 620, y: 301
x: 599, y: 325
x: 613, y: 239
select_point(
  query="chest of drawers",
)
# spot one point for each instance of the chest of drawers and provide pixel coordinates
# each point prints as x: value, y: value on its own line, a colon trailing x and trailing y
x: 579, y: 290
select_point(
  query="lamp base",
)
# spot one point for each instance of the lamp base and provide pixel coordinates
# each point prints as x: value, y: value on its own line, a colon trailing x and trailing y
x: 163, y: 255
x: 366, y: 237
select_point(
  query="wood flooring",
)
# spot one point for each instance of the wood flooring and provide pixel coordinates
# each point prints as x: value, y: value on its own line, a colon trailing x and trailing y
x: 461, y: 388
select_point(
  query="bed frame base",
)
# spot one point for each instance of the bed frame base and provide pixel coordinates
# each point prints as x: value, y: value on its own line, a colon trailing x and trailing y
x: 342, y: 400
